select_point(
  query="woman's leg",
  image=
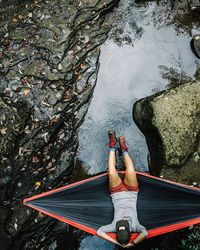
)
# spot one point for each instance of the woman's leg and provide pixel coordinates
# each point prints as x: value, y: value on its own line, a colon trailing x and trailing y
x: 130, y: 174
x: 114, y: 179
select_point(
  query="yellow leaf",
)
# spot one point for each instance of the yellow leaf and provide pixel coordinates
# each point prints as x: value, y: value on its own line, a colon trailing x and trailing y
x: 26, y: 92
x: 37, y: 184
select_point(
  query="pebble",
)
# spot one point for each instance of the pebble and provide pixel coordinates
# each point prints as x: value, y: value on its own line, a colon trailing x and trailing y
x: 60, y: 66
x: 15, y: 226
x: 58, y: 95
x: 19, y: 184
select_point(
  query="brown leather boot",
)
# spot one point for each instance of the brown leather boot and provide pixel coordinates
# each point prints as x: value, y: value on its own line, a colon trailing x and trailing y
x: 112, y: 139
x: 122, y: 143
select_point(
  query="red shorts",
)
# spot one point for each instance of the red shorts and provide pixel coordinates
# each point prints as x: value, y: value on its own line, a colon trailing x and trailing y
x: 123, y: 187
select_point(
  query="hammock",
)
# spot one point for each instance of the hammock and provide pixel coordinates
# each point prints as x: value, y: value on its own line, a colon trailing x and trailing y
x: 163, y: 206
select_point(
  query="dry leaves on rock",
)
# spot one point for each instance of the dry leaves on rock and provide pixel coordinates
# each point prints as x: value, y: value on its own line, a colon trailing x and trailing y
x: 3, y: 131
x: 26, y: 92
x: 35, y: 159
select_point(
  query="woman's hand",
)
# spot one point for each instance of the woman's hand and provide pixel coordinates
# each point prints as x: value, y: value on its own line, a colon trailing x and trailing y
x: 128, y: 245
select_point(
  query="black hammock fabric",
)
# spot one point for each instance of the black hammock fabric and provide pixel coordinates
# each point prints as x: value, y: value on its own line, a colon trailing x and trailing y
x: 160, y: 203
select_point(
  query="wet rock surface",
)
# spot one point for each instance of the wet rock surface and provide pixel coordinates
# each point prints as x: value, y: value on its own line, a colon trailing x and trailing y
x: 195, y: 45
x: 48, y: 67
x: 173, y: 118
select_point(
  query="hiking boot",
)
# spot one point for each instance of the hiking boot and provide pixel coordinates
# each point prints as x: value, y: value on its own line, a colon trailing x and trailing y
x: 112, y: 139
x: 122, y: 143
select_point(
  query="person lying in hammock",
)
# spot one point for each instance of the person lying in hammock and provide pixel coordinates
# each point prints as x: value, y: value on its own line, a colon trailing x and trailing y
x: 124, y: 192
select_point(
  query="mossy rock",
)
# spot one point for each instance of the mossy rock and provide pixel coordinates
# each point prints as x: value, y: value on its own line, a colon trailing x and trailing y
x: 170, y: 122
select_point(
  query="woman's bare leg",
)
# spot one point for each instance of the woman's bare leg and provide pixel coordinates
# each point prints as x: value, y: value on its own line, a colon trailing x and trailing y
x: 114, y: 179
x: 130, y: 174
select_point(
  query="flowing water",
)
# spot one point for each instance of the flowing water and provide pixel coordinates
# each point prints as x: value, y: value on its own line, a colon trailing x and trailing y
x: 128, y: 73
x: 142, y: 54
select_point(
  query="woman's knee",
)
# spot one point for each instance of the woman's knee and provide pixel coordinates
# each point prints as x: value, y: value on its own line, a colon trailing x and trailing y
x: 113, y: 175
x: 131, y: 174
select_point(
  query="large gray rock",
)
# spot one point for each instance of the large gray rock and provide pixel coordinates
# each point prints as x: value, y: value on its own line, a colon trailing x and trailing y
x: 195, y: 45
x: 170, y: 121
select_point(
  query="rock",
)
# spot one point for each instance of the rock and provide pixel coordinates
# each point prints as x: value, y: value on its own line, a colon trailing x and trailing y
x: 197, y: 74
x: 195, y: 45
x: 170, y: 121
x: 10, y: 125
x: 49, y: 60
x: 194, y: 6
x: 5, y: 238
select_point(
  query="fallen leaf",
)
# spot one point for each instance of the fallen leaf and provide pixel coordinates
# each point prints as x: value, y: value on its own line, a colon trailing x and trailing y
x: 15, y: 226
x: 35, y: 159
x: 62, y: 136
x: 3, y: 131
x: 55, y: 36
x: 34, y: 125
x: 46, y: 104
x: 20, y: 150
x: 55, y: 118
x: 86, y: 39
x: 60, y: 66
x: 70, y: 52
x: 26, y: 92
x: 80, y: 4
x: 41, y: 215
x: 14, y: 19
x: 38, y: 183
x: 67, y: 96
x: 45, y: 136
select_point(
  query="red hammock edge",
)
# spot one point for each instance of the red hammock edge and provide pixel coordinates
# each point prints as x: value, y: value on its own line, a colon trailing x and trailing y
x: 151, y: 232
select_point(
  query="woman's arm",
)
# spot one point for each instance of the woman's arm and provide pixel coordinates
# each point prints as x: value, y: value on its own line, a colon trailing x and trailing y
x: 139, y: 238
x: 143, y: 233
x: 102, y: 232
x: 107, y: 237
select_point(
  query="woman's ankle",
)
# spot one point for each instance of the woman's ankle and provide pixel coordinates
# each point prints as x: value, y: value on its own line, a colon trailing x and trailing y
x: 112, y: 148
x: 124, y: 152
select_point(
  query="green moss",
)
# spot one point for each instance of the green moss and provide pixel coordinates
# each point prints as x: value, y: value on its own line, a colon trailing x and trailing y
x: 174, y: 117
